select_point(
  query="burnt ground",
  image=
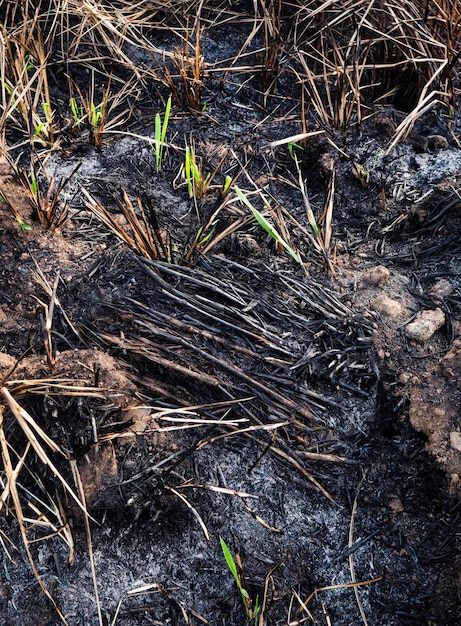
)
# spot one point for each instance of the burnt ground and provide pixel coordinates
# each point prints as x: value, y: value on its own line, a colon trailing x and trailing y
x: 319, y: 413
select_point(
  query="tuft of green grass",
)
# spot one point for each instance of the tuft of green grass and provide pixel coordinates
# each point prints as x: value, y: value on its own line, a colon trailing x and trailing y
x: 160, y: 134
x: 270, y: 230
x: 78, y: 112
x: 197, y: 181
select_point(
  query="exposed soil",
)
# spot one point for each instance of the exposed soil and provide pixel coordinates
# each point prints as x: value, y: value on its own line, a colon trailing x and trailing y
x: 321, y: 424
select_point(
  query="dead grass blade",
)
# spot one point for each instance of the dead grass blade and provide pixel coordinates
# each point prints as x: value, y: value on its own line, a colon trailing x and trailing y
x: 268, y: 581
x: 81, y: 492
x: 330, y: 588
x: 259, y: 519
x: 322, y: 231
x: 191, y: 508
x: 145, y: 589
x: 296, y: 138
x: 190, y: 68
x: 12, y: 475
x: 406, y: 126
x: 4, y: 539
x: 49, y: 290
x: 302, y: 470
x: 47, y: 325
x: 351, y: 555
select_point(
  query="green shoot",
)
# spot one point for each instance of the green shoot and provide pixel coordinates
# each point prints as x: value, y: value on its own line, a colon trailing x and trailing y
x: 197, y: 181
x: 96, y: 116
x: 270, y: 230
x: 78, y: 112
x: 256, y: 610
x: 202, y: 239
x: 378, y: 154
x: 33, y: 185
x: 227, y: 184
x: 160, y: 134
x: 312, y: 221
x: 23, y: 225
x: 17, y: 216
x: 246, y: 600
x: 291, y: 149
x: 43, y: 129
x: 6, y: 87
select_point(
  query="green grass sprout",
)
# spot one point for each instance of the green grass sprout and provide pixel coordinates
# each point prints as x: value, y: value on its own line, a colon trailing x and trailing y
x: 197, y: 181
x: 270, y: 230
x: 252, y: 612
x: 227, y: 185
x: 78, y: 112
x: 291, y: 148
x: 160, y: 134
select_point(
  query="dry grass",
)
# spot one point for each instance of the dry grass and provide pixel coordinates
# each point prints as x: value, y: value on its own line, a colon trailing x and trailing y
x: 346, y: 57
x: 140, y: 232
x: 39, y: 512
x: 352, y: 56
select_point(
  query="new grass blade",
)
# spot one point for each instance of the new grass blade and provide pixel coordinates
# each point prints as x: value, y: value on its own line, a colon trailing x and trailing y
x: 270, y: 230
x: 229, y: 560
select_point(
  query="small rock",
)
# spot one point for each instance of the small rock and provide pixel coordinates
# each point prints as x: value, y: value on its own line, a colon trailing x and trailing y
x: 436, y: 142
x: 387, y: 306
x: 404, y: 378
x: 455, y: 441
x: 425, y: 325
x: 441, y: 290
x: 396, y: 505
x: 451, y: 362
x: 376, y: 275
x: 418, y: 142
x: 384, y: 125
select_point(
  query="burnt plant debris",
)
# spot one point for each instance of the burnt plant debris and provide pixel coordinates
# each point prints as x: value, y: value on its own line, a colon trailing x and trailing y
x: 217, y: 221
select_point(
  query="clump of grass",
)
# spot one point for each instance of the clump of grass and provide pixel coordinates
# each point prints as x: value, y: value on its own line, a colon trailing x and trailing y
x: 141, y: 233
x: 44, y: 193
x: 160, y: 134
x: 350, y: 58
x: 186, y: 85
x: 94, y: 116
x: 197, y: 181
x: 272, y: 24
x: 26, y: 100
x: 39, y: 513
